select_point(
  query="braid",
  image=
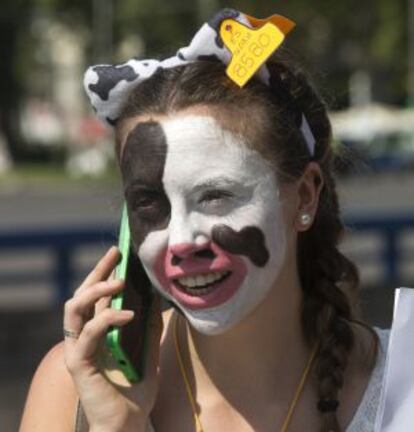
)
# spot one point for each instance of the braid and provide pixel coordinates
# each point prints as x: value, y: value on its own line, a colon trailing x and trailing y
x: 327, y: 311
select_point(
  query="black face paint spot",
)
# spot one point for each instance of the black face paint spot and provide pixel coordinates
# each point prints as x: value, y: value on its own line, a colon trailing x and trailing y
x: 109, y: 76
x: 142, y: 168
x: 217, y: 19
x: 180, y: 55
x: 249, y: 241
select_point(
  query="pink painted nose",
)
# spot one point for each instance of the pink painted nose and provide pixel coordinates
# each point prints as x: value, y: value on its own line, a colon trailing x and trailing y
x: 184, y: 250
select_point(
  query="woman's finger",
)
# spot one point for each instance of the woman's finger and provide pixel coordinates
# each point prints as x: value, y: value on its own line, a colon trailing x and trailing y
x: 78, y: 310
x: 104, y: 302
x: 94, y: 330
x: 90, y: 296
x: 102, y: 270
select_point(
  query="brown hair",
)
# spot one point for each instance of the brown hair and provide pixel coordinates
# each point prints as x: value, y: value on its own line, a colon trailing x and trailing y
x: 328, y: 279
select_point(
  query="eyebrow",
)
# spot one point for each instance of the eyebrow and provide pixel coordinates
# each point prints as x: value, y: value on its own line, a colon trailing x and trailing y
x: 220, y: 181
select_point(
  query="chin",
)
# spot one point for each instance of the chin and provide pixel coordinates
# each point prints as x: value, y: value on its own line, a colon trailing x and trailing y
x: 208, y: 326
x: 251, y: 292
x: 226, y: 317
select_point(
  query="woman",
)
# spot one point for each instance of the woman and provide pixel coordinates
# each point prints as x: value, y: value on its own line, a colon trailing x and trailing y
x: 234, y: 216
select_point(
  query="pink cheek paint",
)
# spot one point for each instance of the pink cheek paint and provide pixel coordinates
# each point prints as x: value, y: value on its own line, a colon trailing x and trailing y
x: 214, y: 294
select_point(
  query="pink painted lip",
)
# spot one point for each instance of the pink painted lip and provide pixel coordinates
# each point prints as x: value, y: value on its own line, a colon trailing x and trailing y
x: 193, y: 265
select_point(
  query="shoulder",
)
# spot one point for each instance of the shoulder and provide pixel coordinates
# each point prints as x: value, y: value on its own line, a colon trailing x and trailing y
x: 52, y: 398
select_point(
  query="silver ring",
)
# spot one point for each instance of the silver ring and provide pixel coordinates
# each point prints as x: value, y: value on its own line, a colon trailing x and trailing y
x: 70, y: 334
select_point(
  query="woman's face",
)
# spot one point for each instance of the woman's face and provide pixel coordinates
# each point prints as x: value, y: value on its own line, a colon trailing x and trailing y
x: 205, y: 216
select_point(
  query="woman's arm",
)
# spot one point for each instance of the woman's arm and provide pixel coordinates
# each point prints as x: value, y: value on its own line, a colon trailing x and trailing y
x: 52, y: 399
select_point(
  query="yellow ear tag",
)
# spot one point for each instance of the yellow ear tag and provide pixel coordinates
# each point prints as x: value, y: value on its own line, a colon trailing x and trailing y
x: 250, y: 48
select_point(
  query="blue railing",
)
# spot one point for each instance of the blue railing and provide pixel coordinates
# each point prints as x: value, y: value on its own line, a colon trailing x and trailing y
x: 391, y: 228
x: 65, y: 242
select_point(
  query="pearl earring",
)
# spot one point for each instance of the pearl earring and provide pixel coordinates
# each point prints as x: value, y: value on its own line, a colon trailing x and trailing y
x: 305, y: 219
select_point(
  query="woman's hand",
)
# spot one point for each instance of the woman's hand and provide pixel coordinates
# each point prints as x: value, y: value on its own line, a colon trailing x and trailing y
x: 108, y: 407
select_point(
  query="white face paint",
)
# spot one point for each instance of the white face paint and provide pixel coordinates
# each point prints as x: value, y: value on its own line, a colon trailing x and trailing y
x: 212, y: 178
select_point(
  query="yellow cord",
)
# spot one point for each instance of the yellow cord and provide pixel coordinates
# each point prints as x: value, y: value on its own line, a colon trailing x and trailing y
x: 197, y: 422
x: 299, y: 389
x: 295, y: 400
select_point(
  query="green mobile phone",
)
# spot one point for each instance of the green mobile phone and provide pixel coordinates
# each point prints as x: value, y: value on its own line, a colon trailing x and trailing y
x: 127, y: 344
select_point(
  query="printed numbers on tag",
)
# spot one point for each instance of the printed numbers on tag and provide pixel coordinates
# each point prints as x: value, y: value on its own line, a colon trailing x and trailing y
x: 250, y: 48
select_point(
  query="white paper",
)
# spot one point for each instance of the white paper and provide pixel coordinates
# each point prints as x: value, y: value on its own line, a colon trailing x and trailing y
x: 396, y: 409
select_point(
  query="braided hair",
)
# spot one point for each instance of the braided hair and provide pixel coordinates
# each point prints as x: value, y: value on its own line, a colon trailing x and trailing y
x: 329, y: 280
x: 326, y: 309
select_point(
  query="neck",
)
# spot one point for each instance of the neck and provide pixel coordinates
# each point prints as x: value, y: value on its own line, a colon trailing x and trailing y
x: 264, y: 354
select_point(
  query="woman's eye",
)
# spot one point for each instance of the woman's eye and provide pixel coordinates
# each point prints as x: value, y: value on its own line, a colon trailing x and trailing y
x: 144, y: 202
x: 214, y: 196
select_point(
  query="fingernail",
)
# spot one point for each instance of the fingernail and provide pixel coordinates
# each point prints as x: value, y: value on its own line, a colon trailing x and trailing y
x: 111, y: 250
x: 113, y: 284
x: 128, y: 313
x: 117, y: 282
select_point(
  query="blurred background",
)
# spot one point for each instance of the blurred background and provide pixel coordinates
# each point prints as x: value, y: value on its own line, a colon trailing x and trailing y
x: 59, y: 191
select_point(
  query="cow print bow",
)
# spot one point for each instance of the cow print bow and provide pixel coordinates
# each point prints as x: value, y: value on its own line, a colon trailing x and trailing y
x: 108, y: 86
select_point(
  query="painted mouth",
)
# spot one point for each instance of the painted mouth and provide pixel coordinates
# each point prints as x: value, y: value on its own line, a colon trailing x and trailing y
x: 198, y: 282
x: 202, y: 284
x: 206, y: 290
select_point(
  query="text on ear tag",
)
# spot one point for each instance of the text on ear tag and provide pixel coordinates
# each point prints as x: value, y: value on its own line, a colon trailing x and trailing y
x: 250, y: 48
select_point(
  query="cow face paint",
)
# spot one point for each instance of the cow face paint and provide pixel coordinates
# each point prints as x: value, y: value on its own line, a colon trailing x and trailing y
x: 205, y: 218
x: 142, y: 167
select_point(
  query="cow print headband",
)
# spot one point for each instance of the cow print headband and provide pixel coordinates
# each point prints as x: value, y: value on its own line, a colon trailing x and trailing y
x: 108, y: 86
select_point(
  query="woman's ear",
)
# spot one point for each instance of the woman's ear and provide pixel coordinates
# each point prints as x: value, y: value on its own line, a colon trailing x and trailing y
x: 308, y: 190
